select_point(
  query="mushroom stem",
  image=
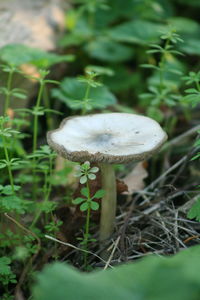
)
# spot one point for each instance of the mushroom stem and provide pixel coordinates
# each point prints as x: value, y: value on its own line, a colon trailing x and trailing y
x: 108, y: 204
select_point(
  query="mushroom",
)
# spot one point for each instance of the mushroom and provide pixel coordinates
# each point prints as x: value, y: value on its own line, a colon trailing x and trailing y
x: 107, y: 139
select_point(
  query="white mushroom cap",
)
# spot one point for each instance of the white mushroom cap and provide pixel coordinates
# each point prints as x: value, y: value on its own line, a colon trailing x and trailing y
x: 111, y: 137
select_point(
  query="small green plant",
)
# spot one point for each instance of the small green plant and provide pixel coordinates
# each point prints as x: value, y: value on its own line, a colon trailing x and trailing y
x: 44, y: 158
x: 84, y: 93
x: 162, y: 92
x: 6, y: 276
x: 193, y: 94
x: 8, y: 91
x: 5, y: 133
x: 86, y: 201
x: 89, y: 81
x: 194, y: 212
x: 38, y: 110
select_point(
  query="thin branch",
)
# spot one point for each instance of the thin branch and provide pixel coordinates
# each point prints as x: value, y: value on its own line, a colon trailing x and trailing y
x: 112, y: 253
x: 76, y: 248
x: 181, y: 137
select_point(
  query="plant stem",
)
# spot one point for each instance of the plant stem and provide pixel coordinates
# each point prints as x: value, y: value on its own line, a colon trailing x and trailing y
x: 7, y: 100
x: 84, y: 100
x: 87, y: 225
x: 108, y: 203
x: 47, y: 191
x: 35, y: 121
x: 35, y: 136
x: 49, y: 120
x: 162, y: 60
x: 8, y: 165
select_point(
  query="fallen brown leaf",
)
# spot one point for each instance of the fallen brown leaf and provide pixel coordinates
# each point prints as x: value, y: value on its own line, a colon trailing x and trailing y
x: 135, y: 179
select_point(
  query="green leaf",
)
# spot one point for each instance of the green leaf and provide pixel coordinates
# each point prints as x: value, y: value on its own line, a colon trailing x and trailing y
x: 149, y: 66
x: 94, y: 170
x: 12, y: 204
x: 52, y: 81
x: 197, y: 143
x: 138, y: 31
x: 47, y: 206
x: 99, y: 194
x: 152, y: 278
x: 194, y: 212
x: 107, y: 50
x: 71, y: 90
x: 153, y: 51
x: 196, y: 156
x: 155, y: 113
x: 191, y: 46
x: 18, y: 54
x: 85, y: 192
x: 192, y: 99
x: 2, y: 165
x: 7, y: 189
x: 84, y: 206
x: 78, y: 200
x: 78, y: 173
x: 123, y: 78
x: 56, y: 112
x: 184, y: 25
x: 91, y: 176
x: 83, y: 179
x: 195, y: 91
x: 85, y: 165
x: 94, y: 205
x: 99, y: 70
x: 4, y: 265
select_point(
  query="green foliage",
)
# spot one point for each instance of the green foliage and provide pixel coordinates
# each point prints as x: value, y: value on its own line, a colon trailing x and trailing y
x: 18, y: 54
x: 99, y: 70
x: 17, y: 93
x: 93, y: 29
x: 105, y: 49
x: 4, y: 265
x: 161, y: 91
x: 153, y: 278
x: 9, y: 202
x: 13, y: 204
x: 138, y: 31
x: 7, y: 276
x: 88, y: 201
x: 194, y: 212
x: 189, y: 30
x: 193, y: 97
x: 85, y: 172
x: 53, y: 227
x: 6, y: 131
x: 72, y: 93
x: 7, y: 189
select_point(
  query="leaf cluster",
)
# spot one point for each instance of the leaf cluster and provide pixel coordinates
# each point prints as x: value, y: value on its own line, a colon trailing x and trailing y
x: 177, y: 276
x: 85, y: 172
x: 87, y: 201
